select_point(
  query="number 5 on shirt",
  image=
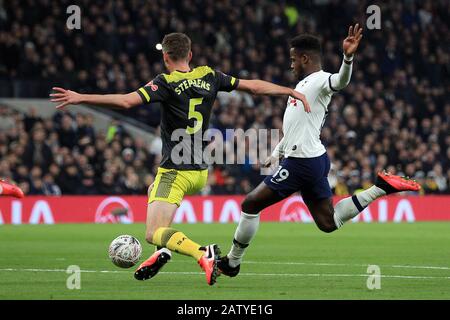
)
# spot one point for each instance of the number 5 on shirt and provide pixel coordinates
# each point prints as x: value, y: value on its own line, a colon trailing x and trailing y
x: 197, y: 116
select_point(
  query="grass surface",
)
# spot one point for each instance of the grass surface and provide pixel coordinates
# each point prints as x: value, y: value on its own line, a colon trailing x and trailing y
x: 285, y: 261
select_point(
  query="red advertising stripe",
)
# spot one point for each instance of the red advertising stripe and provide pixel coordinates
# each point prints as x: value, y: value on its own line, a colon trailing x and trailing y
x: 205, y: 209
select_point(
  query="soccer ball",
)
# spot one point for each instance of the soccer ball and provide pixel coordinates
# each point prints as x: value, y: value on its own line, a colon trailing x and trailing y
x: 125, y: 251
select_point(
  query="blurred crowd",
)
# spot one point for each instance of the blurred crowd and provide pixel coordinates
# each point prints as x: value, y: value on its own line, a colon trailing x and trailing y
x: 395, y: 114
x: 65, y: 155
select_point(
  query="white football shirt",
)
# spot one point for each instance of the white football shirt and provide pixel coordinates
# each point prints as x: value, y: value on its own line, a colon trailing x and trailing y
x: 302, y: 130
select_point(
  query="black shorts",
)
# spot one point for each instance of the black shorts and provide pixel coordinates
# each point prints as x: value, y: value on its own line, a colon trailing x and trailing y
x: 307, y: 175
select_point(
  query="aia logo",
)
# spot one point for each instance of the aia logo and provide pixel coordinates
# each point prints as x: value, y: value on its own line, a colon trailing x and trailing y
x: 152, y: 86
x: 114, y: 210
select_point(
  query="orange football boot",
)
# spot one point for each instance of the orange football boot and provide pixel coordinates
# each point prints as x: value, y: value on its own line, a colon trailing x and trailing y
x: 392, y: 183
x: 209, y: 263
x: 8, y: 189
x: 150, y: 267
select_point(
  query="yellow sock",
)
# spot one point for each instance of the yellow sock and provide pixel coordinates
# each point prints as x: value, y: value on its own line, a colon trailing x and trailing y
x: 177, y: 241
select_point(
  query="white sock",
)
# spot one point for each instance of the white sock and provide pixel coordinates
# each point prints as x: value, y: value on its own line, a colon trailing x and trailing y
x: 246, y: 230
x: 349, y: 208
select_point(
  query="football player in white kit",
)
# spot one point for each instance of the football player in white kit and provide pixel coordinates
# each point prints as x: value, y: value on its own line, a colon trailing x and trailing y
x: 305, y: 165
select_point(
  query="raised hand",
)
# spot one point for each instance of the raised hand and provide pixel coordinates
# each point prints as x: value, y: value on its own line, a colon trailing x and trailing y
x: 351, y: 43
x: 65, y: 96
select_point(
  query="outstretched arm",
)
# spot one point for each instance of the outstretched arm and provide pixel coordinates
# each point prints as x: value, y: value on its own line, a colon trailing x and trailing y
x: 340, y: 80
x: 260, y: 87
x: 67, y: 97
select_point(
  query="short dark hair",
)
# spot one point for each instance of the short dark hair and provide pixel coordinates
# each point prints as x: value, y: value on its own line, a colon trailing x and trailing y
x: 176, y: 45
x: 307, y: 43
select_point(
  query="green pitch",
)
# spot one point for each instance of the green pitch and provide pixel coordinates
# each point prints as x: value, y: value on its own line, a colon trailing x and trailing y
x: 285, y: 261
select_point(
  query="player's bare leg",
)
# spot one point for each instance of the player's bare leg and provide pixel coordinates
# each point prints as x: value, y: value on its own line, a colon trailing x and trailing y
x: 322, y: 212
x: 158, y: 232
x: 260, y: 198
x: 159, y: 214
x: 257, y: 200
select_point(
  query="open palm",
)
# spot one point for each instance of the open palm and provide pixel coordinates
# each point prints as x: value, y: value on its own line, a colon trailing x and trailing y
x: 65, y: 97
x: 351, y: 43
